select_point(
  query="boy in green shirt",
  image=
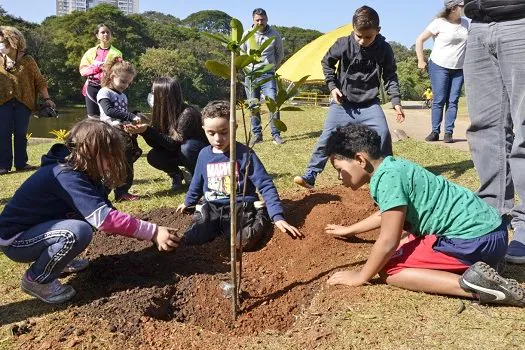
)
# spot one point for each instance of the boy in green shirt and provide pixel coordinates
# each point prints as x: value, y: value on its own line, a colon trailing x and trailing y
x: 456, y: 238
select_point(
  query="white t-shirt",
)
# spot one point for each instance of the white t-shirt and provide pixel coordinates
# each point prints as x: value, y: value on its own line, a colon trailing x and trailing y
x: 450, y: 42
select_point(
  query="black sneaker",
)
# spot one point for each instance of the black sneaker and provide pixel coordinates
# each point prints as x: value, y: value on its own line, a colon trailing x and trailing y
x: 490, y: 287
x: 448, y: 138
x: 433, y: 136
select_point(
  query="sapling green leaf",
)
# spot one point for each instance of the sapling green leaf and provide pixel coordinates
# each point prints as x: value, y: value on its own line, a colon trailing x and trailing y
x: 218, y: 68
x: 280, y: 125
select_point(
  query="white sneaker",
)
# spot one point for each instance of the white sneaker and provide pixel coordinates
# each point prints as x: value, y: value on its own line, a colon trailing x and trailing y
x: 53, y: 292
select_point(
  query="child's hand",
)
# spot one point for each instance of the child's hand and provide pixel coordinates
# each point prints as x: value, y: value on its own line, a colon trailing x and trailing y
x: 339, y: 231
x: 135, y: 128
x: 181, y: 208
x: 400, y: 114
x: 165, y: 238
x: 348, y: 278
x: 337, y: 95
x: 287, y: 228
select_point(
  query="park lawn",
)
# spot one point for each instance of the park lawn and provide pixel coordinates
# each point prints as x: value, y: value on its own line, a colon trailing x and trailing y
x: 383, y: 317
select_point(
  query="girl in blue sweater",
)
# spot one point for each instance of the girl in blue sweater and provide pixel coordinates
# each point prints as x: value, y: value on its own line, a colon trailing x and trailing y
x: 51, y: 217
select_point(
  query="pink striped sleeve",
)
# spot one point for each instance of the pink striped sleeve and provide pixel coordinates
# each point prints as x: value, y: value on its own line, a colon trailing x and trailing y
x: 89, y: 70
x: 126, y: 225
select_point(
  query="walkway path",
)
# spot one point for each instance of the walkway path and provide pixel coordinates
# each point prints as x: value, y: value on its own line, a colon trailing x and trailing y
x: 417, y: 125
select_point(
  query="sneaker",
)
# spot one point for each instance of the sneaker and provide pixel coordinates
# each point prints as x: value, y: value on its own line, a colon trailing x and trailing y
x: 3, y: 171
x: 186, y: 175
x: 127, y: 197
x: 27, y: 167
x: 433, y: 136
x: 52, y: 293
x: 448, y: 138
x: 306, y: 181
x: 515, y: 253
x: 176, y: 182
x: 257, y: 139
x: 76, y: 265
x: 490, y: 287
x: 278, y: 140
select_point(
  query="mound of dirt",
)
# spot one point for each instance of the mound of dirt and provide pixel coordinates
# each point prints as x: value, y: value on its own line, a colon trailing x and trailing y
x: 130, y: 284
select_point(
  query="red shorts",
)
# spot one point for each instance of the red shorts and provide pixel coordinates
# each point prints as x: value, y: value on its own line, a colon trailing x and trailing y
x: 419, y: 253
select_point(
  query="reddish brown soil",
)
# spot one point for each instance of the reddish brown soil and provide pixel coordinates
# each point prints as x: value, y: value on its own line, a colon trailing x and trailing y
x: 134, y: 292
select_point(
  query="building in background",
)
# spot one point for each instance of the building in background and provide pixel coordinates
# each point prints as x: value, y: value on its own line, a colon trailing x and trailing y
x: 67, y: 6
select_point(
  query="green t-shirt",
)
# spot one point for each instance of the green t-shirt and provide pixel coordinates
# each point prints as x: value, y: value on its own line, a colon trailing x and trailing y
x: 434, y: 205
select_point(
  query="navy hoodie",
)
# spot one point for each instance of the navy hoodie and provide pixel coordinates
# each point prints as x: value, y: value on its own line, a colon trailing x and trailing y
x: 360, y: 68
x: 53, y: 192
x: 212, y: 180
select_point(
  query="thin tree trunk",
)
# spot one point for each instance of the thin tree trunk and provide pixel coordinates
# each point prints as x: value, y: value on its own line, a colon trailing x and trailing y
x: 233, y: 189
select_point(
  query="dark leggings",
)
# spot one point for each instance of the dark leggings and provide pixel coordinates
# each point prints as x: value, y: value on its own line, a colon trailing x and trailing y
x: 91, y: 100
x: 212, y: 220
x: 132, y: 152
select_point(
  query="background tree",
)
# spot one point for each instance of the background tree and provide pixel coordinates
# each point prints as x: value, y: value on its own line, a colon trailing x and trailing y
x: 295, y: 38
x: 211, y: 21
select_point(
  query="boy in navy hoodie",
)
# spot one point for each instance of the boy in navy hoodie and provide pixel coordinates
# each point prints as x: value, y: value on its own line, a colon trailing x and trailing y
x: 212, y: 181
x: 362, y: 59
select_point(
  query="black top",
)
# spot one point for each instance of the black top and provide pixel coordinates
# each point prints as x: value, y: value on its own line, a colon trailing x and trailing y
x: 189, y: 126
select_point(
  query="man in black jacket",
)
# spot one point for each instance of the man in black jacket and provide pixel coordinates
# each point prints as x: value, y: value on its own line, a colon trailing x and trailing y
x: 495, y: 83
x: 363, y: 58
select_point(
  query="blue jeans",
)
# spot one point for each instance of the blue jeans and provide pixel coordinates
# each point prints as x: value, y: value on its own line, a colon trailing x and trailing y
x: 268, y: 89
x: 446, y: 89
x: 495, y: 84
x: 169, y: 161
x: 50, y: 245
x: 345, y: 114
x: 14, y: 120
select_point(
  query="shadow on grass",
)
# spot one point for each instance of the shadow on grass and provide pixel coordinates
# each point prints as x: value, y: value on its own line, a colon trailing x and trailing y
x: 308, y: 135
x: 457, y: 169
x: 142, y: 269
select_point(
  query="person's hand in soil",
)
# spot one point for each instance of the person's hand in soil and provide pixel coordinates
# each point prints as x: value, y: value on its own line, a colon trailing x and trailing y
x: 166, y: 239
x: 181, y: 208
x: 400, y: 114
x: 339, y: 231
x: 348, y: 278
x: 287, y: 228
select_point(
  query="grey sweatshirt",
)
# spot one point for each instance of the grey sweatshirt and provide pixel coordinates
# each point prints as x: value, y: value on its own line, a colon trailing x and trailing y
x: 274, y: 53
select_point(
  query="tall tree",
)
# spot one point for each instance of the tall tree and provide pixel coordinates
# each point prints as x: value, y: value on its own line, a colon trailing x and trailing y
x: 211, y: 21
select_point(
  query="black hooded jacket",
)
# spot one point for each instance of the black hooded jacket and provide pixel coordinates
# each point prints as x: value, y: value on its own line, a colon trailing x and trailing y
x: 487, y: 11
x: 360, y: 68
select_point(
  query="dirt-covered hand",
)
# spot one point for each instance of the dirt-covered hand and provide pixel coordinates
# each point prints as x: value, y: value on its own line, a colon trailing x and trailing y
x: 348, y: 278
x: 287, y: 228
x: 338, y: 230
x: 166, y: 239
x: 337, y: 95
x: 181, y: 208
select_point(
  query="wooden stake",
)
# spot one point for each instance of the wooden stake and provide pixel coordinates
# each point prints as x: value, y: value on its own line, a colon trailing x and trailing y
x: 233, y: 189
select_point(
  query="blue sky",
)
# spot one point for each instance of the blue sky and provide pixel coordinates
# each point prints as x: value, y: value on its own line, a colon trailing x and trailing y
x: 401, y: 20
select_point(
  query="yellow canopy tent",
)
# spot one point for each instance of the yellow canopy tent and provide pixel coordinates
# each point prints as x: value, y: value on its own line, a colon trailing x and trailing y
x: 307, y: 61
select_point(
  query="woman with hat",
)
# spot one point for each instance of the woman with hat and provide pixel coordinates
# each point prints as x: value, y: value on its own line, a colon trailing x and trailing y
x: 445, y: 65
x: 20, y: 81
